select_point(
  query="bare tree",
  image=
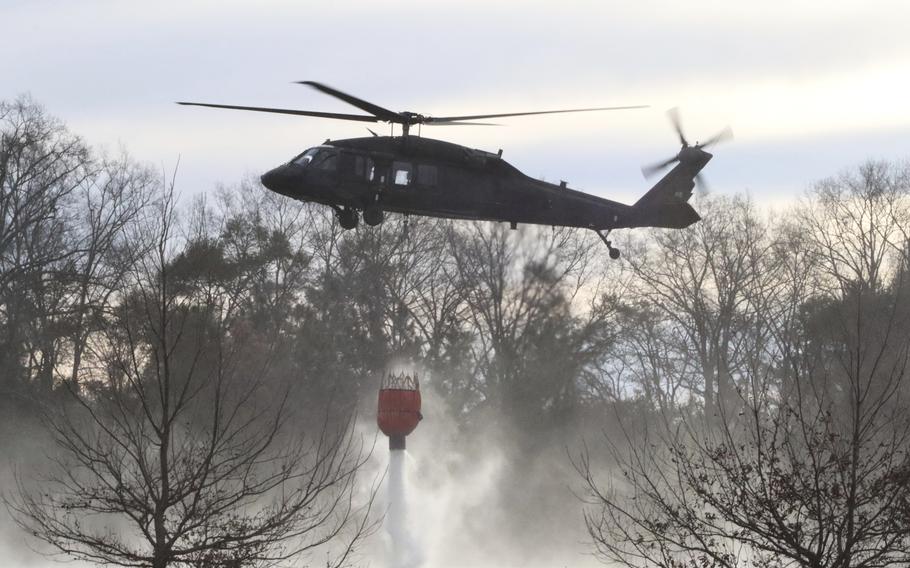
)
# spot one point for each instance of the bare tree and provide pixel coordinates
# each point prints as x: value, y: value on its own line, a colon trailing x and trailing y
x: 41, y: 166
x: 179, y: 454
x: 535, y: 305
x: 699, y: 283
x: 797, y: 479
x: 63, y: 213
x: 811, y: 465
x: 107, y: 204
x: 857, y: 224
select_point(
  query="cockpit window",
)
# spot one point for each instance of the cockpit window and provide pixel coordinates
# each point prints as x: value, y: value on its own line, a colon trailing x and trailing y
x: 318, y: 158
x: 305, y: 158
x: 325, y: 160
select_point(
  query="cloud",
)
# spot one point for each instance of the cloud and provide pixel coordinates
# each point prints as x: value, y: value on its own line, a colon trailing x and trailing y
x: 783, y: 74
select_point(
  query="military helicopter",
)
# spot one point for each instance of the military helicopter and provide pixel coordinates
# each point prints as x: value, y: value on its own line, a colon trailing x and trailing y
x: 421, y: 176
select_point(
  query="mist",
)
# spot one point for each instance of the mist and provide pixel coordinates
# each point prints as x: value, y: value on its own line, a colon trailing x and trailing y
x: 193, y: 381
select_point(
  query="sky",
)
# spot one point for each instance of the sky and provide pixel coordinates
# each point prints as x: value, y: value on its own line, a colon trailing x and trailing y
x: 809, y: 87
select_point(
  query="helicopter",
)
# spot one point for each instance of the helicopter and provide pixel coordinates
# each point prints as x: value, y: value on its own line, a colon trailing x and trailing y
x: 414, y: 175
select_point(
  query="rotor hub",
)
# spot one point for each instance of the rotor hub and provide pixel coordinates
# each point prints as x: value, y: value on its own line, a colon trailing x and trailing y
x: 412, y: 117
x: 691, y: 155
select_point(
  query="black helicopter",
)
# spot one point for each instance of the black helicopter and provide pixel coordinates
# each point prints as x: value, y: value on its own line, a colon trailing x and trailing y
x: 422, y: 176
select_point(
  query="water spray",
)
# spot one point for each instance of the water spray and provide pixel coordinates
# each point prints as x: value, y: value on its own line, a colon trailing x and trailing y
x: 398, y: 415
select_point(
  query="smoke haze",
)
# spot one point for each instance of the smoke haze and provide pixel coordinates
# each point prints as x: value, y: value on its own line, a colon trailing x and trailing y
x: 548, y: 371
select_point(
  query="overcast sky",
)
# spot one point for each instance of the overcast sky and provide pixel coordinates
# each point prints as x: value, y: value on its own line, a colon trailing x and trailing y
x: 809, y: 87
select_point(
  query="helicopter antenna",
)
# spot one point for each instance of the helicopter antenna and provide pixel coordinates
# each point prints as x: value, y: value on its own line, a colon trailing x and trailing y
x: 405, y: 118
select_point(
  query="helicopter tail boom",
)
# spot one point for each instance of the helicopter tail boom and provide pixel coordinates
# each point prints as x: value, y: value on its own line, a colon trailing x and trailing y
x: 666, y: 204
x: 666, y: 215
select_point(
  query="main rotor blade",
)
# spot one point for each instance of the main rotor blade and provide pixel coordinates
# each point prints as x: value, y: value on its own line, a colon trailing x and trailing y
x: 378, y: 111
x: 357, y: 117
x: 437, y: 119
x: 673, y: 114
x: 461, y: 123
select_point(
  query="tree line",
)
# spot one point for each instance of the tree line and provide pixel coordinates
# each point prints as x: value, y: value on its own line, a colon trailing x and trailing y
x: 199, y: 363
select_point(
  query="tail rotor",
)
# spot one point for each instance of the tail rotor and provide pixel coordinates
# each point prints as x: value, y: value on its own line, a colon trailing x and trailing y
x: 687, y: 154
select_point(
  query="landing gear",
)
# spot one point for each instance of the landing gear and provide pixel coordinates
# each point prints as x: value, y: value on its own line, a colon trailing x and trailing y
x: 373, y: 215
x: 405, y: 234
x: 614, y: 252
x: 347, y: 218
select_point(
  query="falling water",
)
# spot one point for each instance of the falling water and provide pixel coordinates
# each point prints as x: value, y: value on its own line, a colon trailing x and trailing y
x: 404, y: 551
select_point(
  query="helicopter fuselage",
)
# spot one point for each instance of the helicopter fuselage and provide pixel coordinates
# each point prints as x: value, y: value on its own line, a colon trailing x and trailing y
x: 422, y: 176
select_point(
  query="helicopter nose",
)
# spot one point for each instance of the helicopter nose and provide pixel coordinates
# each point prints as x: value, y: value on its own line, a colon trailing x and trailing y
x: 277, y: 180
x: 270, y: 179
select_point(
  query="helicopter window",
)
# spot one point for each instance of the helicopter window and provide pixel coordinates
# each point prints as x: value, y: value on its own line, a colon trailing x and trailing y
x: 426, y: 175
x: 305, y: 158
x: 359, y: 166
x: 402, y: 172
x: 325, y: 160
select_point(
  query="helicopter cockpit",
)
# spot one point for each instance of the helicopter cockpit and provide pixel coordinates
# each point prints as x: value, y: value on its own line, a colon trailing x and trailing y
x: 318, y: 158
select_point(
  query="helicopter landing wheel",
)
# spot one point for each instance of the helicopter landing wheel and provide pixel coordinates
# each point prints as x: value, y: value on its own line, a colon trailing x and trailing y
x: 373, y: 215
x: 348, y: 218
x: 614, y: 252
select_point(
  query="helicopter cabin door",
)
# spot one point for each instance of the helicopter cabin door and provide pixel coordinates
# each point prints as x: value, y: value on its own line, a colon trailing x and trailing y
x: 353, y: 172
x: 414, y: 182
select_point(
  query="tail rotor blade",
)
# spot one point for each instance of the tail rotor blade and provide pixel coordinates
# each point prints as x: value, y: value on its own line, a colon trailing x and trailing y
x: 650, y: 171
x: 723, y: 135
x: 673, y: 114
x: 701, y: 185
x: 691, y: 154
